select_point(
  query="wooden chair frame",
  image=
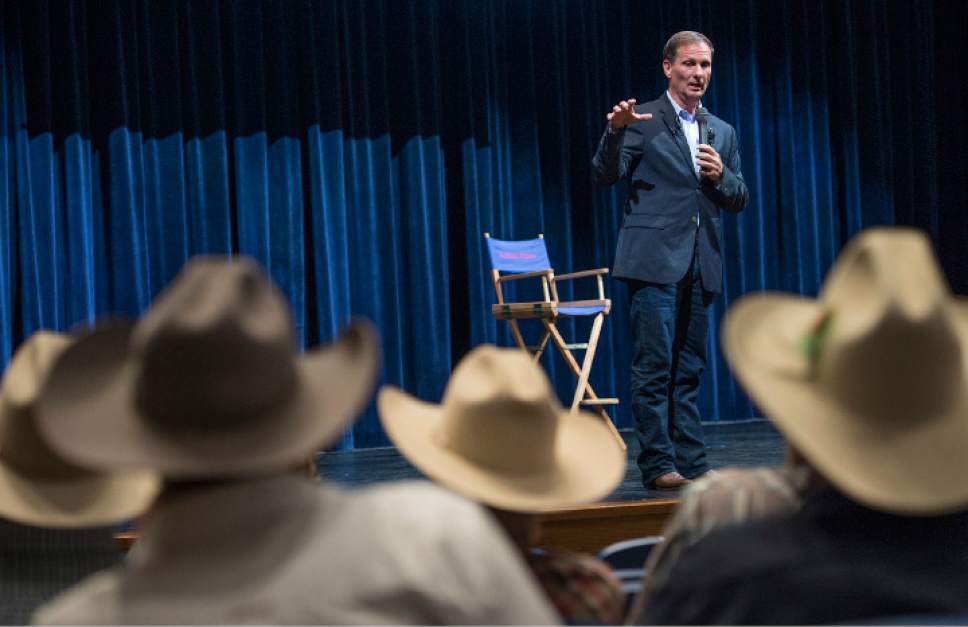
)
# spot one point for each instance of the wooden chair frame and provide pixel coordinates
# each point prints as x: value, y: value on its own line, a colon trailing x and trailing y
x: 548, y: 311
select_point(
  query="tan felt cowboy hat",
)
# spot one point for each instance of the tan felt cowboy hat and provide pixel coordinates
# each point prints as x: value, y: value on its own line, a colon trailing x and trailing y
x: 501, y: 437
x: 38, y: 487
x: 208, y: 383
x: 868, y: 381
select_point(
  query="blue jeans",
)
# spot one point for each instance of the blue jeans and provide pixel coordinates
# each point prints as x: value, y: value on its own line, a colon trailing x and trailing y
x: 669, y: 329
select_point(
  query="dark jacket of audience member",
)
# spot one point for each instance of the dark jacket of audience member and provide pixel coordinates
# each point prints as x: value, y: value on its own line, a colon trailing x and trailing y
x: 833, y: 561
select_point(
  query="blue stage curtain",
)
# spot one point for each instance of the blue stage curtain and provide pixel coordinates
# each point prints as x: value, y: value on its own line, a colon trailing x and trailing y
x: 361, y: 150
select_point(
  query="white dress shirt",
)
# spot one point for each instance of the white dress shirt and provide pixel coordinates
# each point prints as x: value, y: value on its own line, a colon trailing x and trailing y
x: 690, y: 129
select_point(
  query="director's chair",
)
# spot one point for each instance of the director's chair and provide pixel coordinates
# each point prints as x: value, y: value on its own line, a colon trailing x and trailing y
x: 528, y: 259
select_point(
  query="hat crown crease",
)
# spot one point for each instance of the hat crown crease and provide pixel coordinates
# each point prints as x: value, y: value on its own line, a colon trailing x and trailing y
x: 893, y: 351
x: 499, y: 412
x: 904, y: 369
x: 217, y: 350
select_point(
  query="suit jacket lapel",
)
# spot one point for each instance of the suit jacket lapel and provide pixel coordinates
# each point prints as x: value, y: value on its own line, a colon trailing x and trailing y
x: 678, y: 135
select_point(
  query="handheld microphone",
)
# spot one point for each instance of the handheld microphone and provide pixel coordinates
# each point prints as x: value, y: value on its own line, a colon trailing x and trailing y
x: 702, y: 119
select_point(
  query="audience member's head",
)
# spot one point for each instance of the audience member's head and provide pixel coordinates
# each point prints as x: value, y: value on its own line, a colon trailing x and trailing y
x: 208, y: 384
x: 867, y: 382
x: 500, y: 437
x: 55, y: 516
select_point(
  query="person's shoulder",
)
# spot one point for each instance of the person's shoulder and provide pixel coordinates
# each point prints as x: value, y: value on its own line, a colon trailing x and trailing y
x: 653, y: 106
x: 714, y: 576
x: 746, y: 550
x: 421, y: 503
x: 421, y: 512
x: 781, y: 485
x: 718, y: 121
x: 93, y: 601
x: 397, y: 492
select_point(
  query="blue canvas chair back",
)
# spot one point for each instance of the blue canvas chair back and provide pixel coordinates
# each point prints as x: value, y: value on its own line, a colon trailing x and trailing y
x: 525, y: 255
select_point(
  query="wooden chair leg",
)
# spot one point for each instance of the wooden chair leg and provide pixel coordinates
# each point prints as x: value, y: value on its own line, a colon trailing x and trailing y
x: 542, y: 344
x: 586, y: 367
x: 562, y: 347
x: 612, y: 428
x: 518, y: 338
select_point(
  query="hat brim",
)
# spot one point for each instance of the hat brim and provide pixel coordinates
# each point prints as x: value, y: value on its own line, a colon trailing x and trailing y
x: 86, y: 501
x: 87, y: 412
x: 911, y: 471
x: 588, y: 462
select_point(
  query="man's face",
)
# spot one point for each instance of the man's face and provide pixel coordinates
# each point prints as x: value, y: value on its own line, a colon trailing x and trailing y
x: 689, y: 74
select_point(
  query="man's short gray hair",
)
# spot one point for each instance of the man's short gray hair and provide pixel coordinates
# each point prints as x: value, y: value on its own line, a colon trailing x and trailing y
x: 682, y: 38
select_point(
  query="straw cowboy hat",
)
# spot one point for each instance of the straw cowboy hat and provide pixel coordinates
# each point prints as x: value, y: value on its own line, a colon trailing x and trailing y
x: 501, y: 437
x: 868, y: 381
x: 38, y: 487
x: 208, y: 383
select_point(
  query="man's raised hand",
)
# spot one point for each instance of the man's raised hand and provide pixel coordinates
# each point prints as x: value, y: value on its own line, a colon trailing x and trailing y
x: 624, y: 114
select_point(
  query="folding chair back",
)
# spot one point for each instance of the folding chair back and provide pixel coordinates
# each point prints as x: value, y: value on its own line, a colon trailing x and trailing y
x: 520, y: 259
x: 528, y: 259
x: 526, y: 255
x: 627, y: 560
x: 629, y: 554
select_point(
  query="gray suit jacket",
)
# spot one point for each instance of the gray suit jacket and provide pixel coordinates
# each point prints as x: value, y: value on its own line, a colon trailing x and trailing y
x: 666, y: 198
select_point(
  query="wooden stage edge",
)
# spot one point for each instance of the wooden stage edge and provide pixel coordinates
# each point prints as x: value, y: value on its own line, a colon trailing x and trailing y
x: 586, y: 529
x: 593, y: 527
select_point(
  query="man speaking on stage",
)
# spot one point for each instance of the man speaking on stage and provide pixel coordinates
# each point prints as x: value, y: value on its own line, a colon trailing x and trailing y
x: 683, y: 167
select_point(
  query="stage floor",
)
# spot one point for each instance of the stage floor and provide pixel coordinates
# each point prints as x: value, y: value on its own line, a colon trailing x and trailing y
x: 741, y: 443
x: 628, y: 512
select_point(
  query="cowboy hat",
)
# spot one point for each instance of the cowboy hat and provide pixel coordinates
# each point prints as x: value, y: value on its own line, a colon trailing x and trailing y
x: 37, y: 486
x: 208, y: 383
x: 868, y: 381
x: 501, y: 437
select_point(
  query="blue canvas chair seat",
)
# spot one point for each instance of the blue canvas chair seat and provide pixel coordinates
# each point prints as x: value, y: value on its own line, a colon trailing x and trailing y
x: 549, y: 309
x: 566, y: 310
x: 520, y: 260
